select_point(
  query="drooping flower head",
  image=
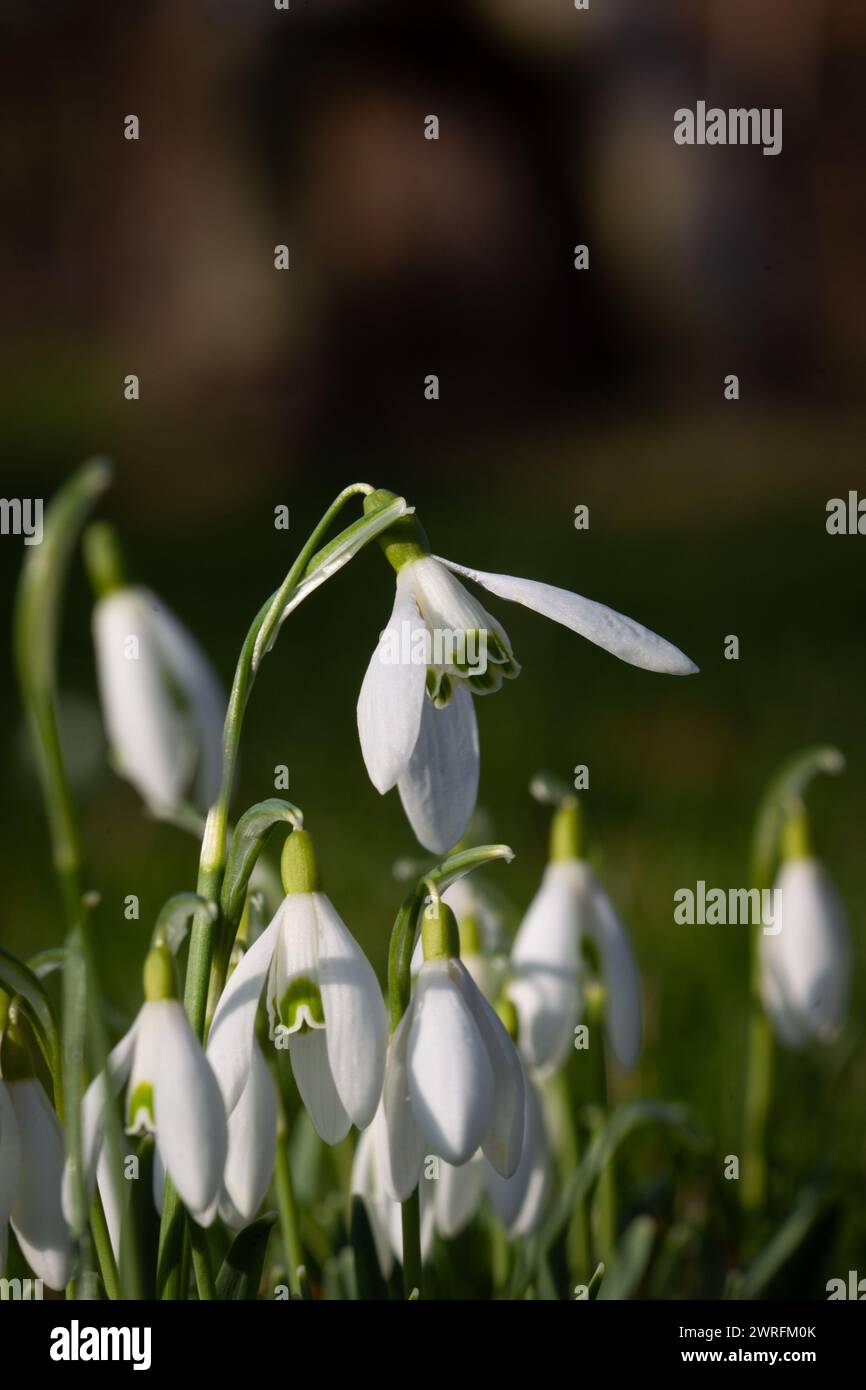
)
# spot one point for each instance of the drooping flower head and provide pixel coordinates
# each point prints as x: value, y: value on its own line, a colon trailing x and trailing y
x: 453, y: 1079
x: 162, y: 703
x: 805, y: 953
x: 547, y: 958
x: 169, y: 1091
x: 323, y: 1000
x: 416, y: 718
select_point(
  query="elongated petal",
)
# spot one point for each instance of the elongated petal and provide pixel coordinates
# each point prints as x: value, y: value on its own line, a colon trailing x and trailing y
x: 623, y: 637
x: 191, y: 1132
x: 457, y: 1195
x: 401, y: 1148
x: 356, y: 1025
x: 10, y: 1158
x: 230, y: 1043
x: 96, y: 1096
x: 503, y: 1142
x: 451, y: 1077
x: 521, y: 1199
x: 37, y: 1216
x: 439, y: 788
x: 193, y: 674
x: 149, y: 737
x: 392, y: 695
x: 252, y: 1135
x: 623, y: 1012
x: 806, y: 965
x: 366, y: 1183
x: 549, y: 935
x: 548, y: 1007
x: 312, y: 1071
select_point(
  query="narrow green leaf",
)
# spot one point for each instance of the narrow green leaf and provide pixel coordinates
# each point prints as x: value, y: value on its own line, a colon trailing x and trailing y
x: 782, y: 1244
x: 630, y: 1260
x: 241, y: 1273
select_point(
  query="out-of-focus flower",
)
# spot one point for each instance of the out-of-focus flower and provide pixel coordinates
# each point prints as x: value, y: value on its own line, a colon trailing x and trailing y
x: 547, y: 962
x: 162, y: 703
x: 806, y: 965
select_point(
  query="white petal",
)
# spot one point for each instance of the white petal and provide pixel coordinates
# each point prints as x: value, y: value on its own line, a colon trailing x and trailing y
x: 806, y: 965
x: 401, y: 1149
x: 549, y: 934
x: 439, y: 788
x: 118, y: 1067
x: 110, y: 1193
x: 296, y: 956
x: 230, y: 1042
x: 623, y: 637
x: 366, y: 1183
x: 623, y: 1012
x: 193, y: 674
x: 37, y: 1217
x: 149, y: 737
x: 457, y: 1194
x: 312, y: 1071
x: 191, y: 1132
x: 252, y: 1136
x: 451, y: 1079
x: 548, y: 1008
x: 10, y: 1159
x: 520, y: 1200
x: 356, y: 1025
x: 503, y: 1142
x: 392, y: 695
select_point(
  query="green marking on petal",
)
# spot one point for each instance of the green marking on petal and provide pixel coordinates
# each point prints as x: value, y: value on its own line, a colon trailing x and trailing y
x: 141, y: 1099
x: 300, y: 1010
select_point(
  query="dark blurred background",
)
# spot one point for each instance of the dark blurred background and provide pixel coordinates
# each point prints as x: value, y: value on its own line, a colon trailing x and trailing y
x: 557, y: 387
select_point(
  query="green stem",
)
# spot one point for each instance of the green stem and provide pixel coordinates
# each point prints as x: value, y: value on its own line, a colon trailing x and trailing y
x: 289, y: 1224
x: 201, y: 1263
x: 104, y: 1252
x: 413, y: 1274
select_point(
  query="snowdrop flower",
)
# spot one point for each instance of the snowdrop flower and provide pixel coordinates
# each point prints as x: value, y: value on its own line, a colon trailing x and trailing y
x: 453, y: 1080
x: 162, y: 703
x: 383, y: 1213
x: 546, y: 958
x: 805, y: 967
x: 324, y: 1005
x: 170, y: 1092
x: 31, y: 1167
x: 416, y: 717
